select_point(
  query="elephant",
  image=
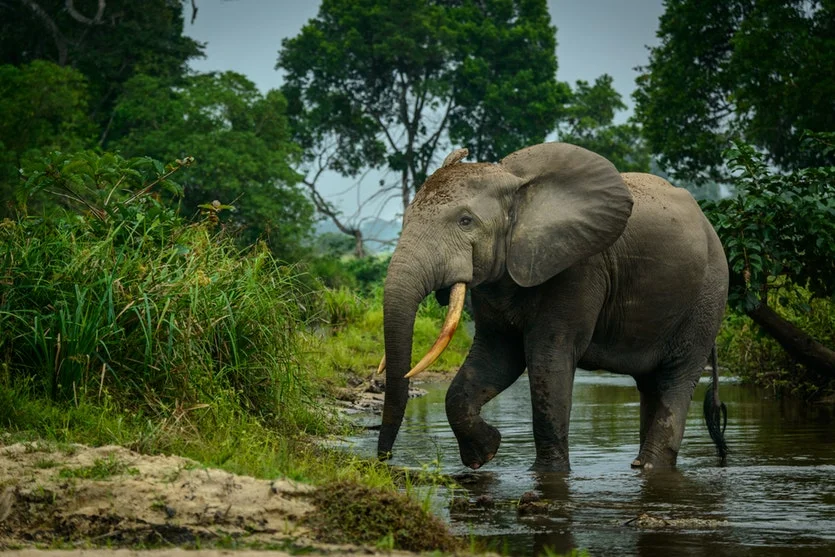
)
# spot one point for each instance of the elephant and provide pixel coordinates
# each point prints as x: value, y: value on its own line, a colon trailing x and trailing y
x: 569, y: 263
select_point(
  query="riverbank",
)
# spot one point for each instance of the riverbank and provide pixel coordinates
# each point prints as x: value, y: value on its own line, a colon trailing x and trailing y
x: 165, y: 337
x: 75, y: 496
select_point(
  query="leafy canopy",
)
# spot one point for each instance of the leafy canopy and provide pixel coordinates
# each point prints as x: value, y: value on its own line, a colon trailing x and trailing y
x: 778, y: 227
x: 385, y: 84
x: 757, y: 69
x: 240, y: 140
x: 108, y: 47
x: 44, y: 108
x: 589, y: 122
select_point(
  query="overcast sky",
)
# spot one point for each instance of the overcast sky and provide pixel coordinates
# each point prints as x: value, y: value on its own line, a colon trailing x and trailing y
x: 593, y: 37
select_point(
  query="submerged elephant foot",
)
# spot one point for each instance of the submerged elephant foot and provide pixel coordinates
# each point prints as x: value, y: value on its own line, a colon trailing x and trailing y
x: 650, y: 462
x: 550, y: 466
x: 480, y: 444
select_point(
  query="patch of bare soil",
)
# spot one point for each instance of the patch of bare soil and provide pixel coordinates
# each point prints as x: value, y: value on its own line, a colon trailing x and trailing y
x: 366, y: 394
x: 111, y: 496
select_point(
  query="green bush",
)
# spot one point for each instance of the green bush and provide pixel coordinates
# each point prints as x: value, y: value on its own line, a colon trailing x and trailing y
x: 127, y: 301
x: 363, y: 275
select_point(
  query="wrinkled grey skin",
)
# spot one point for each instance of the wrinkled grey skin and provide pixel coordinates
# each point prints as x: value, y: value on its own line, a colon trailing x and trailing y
x: 569, y: 264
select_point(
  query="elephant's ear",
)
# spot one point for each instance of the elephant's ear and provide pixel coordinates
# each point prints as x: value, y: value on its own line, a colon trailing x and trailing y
x: 573, y: 204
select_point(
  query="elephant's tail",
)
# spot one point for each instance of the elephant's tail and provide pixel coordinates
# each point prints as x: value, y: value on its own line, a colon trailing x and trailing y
x: 716, y: 413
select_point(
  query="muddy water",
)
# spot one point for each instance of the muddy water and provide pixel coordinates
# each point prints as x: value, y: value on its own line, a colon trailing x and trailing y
x: 776, y: 496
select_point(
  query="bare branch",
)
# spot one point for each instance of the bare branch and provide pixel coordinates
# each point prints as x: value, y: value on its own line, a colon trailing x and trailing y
x: 435, y: 137
x: 60, y: 41
x: 78, y: 16
x: 193, y: 11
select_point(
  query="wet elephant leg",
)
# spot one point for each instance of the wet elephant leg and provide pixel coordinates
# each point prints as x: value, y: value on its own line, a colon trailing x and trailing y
x: 552, y: 380
x: 495, y: 361
x: 665, y: 401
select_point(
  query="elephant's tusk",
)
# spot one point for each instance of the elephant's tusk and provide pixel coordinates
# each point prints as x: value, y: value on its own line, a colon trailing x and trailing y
x: 382, y: 367
x: 453, y: 316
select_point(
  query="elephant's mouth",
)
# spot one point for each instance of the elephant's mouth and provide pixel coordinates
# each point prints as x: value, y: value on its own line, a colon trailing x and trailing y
x: 456, y: 305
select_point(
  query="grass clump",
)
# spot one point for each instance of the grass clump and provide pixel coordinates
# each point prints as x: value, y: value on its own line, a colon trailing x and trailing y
x: 101, y: 469
x: 120, y: 322
x: 351, y: 513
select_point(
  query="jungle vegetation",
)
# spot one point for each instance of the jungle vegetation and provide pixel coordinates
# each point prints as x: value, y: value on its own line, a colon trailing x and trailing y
x: 160, y: 282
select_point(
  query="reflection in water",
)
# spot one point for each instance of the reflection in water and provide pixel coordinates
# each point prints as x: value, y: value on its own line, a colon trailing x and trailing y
x: 775, y: 497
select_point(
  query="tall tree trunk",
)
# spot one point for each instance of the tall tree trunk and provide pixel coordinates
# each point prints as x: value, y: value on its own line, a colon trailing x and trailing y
x: 359, y: 246
x: 800, y: 346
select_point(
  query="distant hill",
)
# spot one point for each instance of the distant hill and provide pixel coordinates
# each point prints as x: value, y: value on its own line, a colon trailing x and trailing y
x: 381, y: 234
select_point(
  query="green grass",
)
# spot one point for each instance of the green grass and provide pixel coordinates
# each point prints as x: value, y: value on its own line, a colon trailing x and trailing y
x: 166, y: 319
x: 101, y: 469
x: 164, y: 337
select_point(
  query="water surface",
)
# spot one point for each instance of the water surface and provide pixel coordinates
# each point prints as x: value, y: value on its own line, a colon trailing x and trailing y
x: 776, y: 496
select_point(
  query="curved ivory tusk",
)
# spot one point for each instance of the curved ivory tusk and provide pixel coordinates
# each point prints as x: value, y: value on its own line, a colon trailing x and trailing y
x: 382, y: 367
x: 453, y: 316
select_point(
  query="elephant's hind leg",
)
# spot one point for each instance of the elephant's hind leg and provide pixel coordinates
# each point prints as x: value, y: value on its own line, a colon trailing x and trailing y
x: 664, y: 406
x: 494, y: 363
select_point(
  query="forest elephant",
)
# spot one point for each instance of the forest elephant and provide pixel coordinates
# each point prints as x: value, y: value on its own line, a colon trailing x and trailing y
x: 569, y: 263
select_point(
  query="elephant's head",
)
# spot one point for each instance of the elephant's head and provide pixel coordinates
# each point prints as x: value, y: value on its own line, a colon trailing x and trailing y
x: 534, y: 214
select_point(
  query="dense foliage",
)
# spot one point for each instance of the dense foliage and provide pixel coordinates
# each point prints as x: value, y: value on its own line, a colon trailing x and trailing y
x: 757, y: 69
x: 777, y: 227
x: 779, y: 236
x: 108, y: 46
x: 130, y: 303
x: 589, y: 122
x: 44, y: 108
x: 241, y: 141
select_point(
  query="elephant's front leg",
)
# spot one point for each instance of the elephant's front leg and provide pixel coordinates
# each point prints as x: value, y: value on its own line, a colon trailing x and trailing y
x: 551, y: 373
x: 495, y: 361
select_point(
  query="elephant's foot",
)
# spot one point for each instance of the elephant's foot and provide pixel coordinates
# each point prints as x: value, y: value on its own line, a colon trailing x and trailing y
x: 479, y: 445
x: 552, y: 459
x: 550, y: 466
x: 650, y: 461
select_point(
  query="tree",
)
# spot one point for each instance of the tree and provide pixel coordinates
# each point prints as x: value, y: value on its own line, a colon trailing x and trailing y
x: 755, y: 69
x: 44, y: 108
x: 240, y: 140
x: 589, y: 122
x: 387, y: 84
x: 108, y: 42
x: 779, y: 234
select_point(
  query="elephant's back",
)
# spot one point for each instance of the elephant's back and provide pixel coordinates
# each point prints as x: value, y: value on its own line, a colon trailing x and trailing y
x: 662, y: 211
x: 667, y: 257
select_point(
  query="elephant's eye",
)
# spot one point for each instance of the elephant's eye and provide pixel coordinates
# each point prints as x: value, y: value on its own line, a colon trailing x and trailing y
x: 465, y: 220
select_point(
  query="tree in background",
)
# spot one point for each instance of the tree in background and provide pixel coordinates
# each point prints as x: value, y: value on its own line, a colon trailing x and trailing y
x: 108, y: 42
x: 757, y: 69
x: 113, y: 75
x: 589, y: 122
x: 240, y: 139
x: 779, y: 235
x: 392, y: 84
x: 44, y: 108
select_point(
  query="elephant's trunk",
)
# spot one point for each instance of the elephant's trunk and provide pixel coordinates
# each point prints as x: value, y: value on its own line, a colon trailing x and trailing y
x: 403, y: 291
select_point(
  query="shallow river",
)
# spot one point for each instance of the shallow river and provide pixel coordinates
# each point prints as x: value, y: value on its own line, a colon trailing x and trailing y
x: 776, y: 496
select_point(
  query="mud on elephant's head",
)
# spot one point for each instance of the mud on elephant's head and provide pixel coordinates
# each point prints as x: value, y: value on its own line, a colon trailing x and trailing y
x: 532, y: 215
